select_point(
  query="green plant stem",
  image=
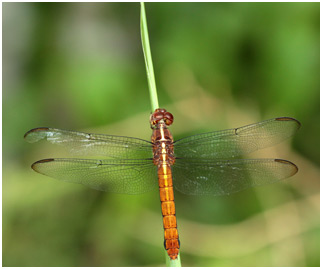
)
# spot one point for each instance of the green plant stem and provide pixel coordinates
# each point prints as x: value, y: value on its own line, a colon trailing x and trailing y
x: 153, y: 93
x: 148, y: 59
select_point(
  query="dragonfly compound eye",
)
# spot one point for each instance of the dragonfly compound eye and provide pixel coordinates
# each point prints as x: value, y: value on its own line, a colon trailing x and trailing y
x: 156, y: 117
x: 168, y: 118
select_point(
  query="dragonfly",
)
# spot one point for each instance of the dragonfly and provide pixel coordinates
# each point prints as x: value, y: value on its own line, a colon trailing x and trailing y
x: 203, y: 164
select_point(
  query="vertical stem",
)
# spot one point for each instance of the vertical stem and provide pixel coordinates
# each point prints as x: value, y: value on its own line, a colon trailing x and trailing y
x: 153, y: 93
x: 148, y: 59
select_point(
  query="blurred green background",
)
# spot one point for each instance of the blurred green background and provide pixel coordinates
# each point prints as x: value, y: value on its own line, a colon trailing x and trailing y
x: 80, y: 66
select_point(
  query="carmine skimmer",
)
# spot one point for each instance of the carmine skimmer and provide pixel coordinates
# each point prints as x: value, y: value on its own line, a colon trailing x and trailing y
x: 202, y: 164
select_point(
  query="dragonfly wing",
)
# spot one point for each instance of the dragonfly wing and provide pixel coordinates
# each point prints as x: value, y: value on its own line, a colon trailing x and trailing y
x: 236, y: 142
x: 79, y: 143
x: 117, y: 176
x: 221, y: 177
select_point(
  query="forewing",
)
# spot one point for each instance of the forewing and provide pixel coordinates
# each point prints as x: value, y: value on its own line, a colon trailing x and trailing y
x: 86, y: 144
x: 209, y: 177
x: 117, y: 176
x: 236, y: 142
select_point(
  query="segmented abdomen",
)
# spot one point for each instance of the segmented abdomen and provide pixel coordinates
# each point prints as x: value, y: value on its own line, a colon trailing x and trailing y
x: 171, y: 237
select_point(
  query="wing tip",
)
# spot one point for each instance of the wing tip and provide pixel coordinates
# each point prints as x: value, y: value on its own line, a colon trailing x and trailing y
x: 34, y: 130
x: 296, y: 169
x: 33, y: 166
x: 289, y: 119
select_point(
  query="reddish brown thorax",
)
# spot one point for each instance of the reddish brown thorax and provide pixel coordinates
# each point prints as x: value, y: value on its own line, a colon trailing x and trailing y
x: 159, y: 121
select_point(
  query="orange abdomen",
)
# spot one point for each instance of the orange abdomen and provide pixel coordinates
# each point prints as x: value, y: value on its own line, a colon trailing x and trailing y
x: 171, y: 237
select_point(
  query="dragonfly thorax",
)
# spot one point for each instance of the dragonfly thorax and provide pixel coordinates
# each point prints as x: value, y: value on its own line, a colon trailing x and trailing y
x: 162, y: 145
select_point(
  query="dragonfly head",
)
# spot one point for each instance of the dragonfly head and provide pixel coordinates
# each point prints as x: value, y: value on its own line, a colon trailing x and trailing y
x: 161, y: 114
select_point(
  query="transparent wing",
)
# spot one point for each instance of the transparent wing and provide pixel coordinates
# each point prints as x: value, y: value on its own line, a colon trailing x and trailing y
x: 79, y: 143
x: 221, y: 177
x: 117, y: 176
x: 236, y: 142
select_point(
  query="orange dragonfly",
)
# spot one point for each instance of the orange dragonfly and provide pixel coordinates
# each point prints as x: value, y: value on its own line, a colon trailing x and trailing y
x: 202, y: 164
